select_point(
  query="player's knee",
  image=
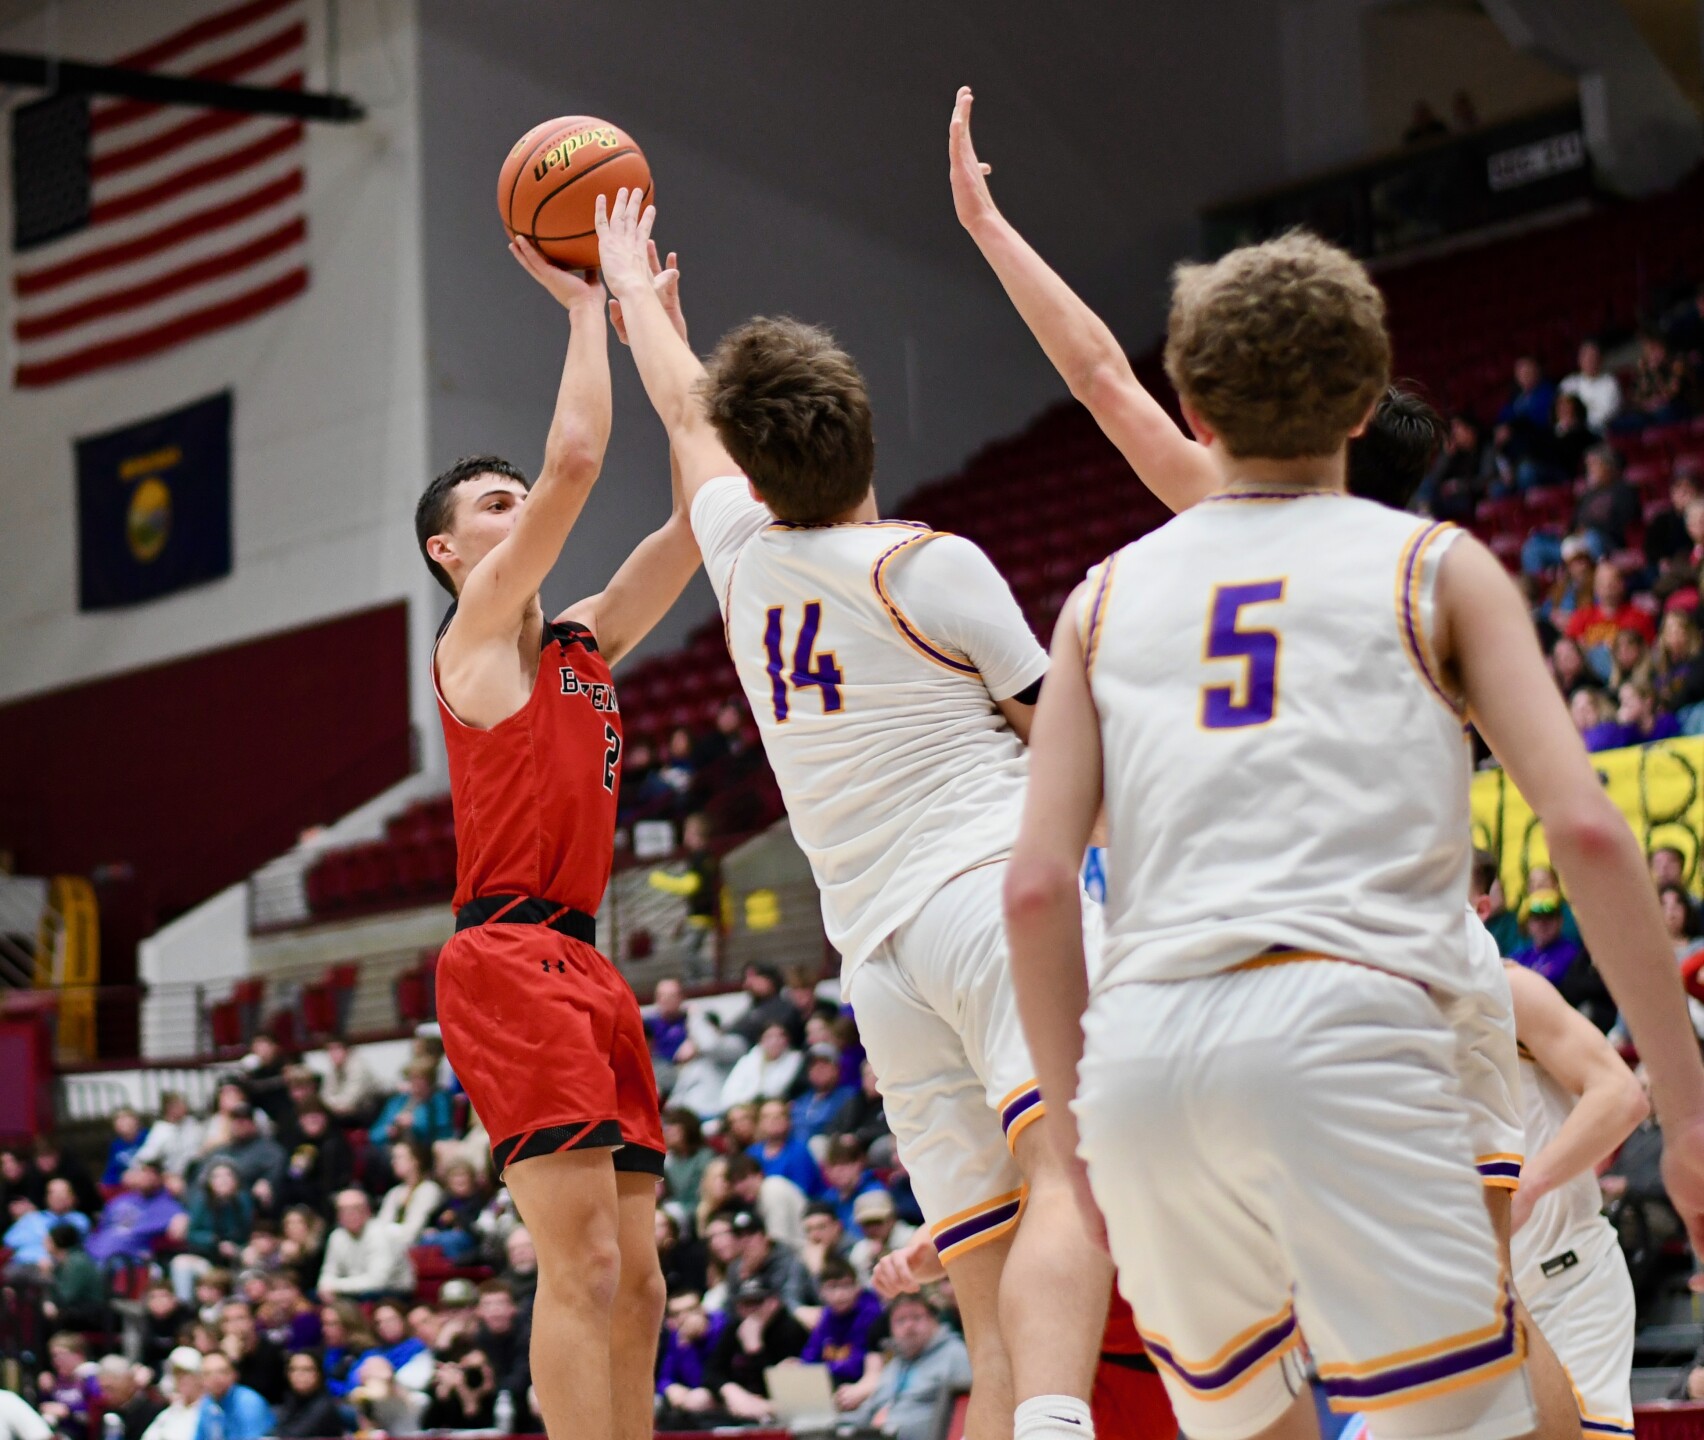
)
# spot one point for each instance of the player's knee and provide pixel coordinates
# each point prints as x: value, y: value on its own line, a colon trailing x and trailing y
x: 643, y: 1293
x: 586, y: 1279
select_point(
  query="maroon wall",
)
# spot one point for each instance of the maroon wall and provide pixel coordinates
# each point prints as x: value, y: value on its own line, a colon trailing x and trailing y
x: 186, y: 776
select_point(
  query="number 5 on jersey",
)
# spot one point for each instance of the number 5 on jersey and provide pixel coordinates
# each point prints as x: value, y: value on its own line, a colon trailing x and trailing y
x: 808, y: 667
x: 1254, y: 700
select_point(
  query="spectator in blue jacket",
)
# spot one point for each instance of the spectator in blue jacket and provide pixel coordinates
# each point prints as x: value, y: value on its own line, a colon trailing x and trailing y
x: 421, y: 1111
x: 230, y: 1411
x: 128, y: 1136
x: 782, y: 1153
x: 26, y: 1237
x: 815, y: 1111
x: 848, y: 1178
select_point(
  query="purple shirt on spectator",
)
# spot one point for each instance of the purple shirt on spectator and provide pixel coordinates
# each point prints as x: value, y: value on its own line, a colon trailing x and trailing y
x: 684, y: 1364
x: 131, y: 1223
x: 666, y: 1036
x: 843, y: 1341
x: 1553, y: 961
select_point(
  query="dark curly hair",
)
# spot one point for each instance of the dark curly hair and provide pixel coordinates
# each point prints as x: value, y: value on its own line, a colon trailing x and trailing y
x: 792, y: 410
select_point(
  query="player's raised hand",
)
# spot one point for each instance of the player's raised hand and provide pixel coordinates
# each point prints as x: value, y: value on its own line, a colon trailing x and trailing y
x: 665, y: 280
x: 971, y: 197
x: 567, y: 287
x: 624, y: 242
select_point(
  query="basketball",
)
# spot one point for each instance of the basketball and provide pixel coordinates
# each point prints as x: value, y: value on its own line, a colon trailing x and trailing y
x: 551, y: 181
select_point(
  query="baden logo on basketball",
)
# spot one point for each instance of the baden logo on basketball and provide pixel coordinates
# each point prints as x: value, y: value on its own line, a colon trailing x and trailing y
x: 604, y: 136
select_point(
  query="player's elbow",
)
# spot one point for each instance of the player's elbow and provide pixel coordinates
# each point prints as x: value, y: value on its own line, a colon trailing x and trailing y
x: 1633, y: 1104
x: 1037, y: 887
x: 1101, y: 383
x: 1586, y: 832
x: 573, y: 458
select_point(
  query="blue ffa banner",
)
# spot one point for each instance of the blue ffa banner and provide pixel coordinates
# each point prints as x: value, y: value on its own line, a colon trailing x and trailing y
x: 154, y: 506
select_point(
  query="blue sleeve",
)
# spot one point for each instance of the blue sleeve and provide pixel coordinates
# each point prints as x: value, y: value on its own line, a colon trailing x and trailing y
x: 812, y: 1353
x: 376, y: 1135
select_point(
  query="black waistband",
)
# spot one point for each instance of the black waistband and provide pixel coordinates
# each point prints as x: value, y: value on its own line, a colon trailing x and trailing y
x: 528, y: 910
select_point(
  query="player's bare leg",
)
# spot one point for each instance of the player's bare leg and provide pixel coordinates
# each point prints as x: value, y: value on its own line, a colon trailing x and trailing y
x: 976, y: 1287
x: 568, y: 1203
x: 1552, y: 1391
x: 1299, y: 1422
x: 636, y: 1317
x: 1057, y: 1281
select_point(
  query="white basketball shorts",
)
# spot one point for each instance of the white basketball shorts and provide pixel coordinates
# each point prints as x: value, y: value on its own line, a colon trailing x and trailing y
x: 1588, y: 1316
x: 1488, y: 1065
x: 939, y: 1021
x: 1282, y: 1151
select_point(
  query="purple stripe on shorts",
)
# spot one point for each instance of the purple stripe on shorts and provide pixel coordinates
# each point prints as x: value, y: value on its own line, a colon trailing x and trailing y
x: 1250, y: 1355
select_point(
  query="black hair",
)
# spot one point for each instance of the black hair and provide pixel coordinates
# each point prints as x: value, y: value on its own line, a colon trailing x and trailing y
x: 436, y: 507
x: 1388, y: 460
x: 65, y: 1236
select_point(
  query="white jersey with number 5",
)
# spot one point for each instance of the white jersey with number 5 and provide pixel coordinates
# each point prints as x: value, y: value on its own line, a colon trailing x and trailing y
x: 872, y: 655
x: 1284, y: 768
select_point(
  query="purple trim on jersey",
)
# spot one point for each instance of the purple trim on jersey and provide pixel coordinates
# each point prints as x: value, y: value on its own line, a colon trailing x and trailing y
x: 1411, y: 633
x: 1348, y: 1390
x: 1281, y: 1331
x: 895, y: 614
x: 956, y: 1235
x: 1500, y: 1169
x: 1604, y: 1427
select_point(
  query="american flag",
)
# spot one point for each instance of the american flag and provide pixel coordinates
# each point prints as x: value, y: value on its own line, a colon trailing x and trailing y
x: 138, y: 227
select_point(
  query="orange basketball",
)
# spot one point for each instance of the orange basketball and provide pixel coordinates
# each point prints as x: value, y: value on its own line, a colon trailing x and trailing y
x: 553, y: 177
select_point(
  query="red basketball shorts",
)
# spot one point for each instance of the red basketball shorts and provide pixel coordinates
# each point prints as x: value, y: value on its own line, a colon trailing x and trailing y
x: 1130, y: 1402
x: 547, y: 1040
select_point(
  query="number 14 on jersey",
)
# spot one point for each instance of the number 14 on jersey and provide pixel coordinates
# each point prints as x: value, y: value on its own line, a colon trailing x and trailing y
x: 808, y: 668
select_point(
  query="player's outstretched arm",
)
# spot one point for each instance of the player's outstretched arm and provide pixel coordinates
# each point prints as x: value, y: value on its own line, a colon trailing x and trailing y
x: 650, y: 580
x: 646, y: 586
x: 1082, y: 348
x: 1577, y: 1056
x: 1485, y: 636
x: 1044, y: 915
x: 505, y: 581
x: 667, y: 366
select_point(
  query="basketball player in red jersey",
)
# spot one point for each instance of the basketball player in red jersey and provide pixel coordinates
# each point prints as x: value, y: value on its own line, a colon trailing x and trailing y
x: 1129, y: 1401
x: 542, y: 1031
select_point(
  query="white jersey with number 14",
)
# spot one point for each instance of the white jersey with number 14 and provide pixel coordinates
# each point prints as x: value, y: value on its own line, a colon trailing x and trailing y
x: 872, y: 656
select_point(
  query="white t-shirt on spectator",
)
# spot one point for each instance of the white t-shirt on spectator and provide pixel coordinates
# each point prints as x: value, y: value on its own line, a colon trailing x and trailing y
x: 757, y: 1077
x: 872, y: 656
x: 1600, y: 394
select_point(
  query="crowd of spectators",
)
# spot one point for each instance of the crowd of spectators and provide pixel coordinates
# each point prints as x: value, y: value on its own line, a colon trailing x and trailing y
x: 670, y: 781
x: 321, y: 1255
x: 1613, y: 576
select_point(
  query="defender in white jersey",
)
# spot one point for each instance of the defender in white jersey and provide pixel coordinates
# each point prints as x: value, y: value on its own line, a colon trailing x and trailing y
x: 1581, y: 1102
x: 1268, y: 696
x: 892, y: 676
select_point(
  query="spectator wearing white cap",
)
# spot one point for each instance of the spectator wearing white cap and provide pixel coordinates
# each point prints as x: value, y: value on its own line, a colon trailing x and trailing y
x: 178, y: 1421
x: 884, y: 1232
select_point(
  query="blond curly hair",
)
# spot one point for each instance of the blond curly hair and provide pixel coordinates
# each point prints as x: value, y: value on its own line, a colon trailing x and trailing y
x: 1279, y: 347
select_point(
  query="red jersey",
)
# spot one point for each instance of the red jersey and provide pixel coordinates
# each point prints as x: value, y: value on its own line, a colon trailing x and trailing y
x: 534, y: 796
x: 1120, y: 1337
